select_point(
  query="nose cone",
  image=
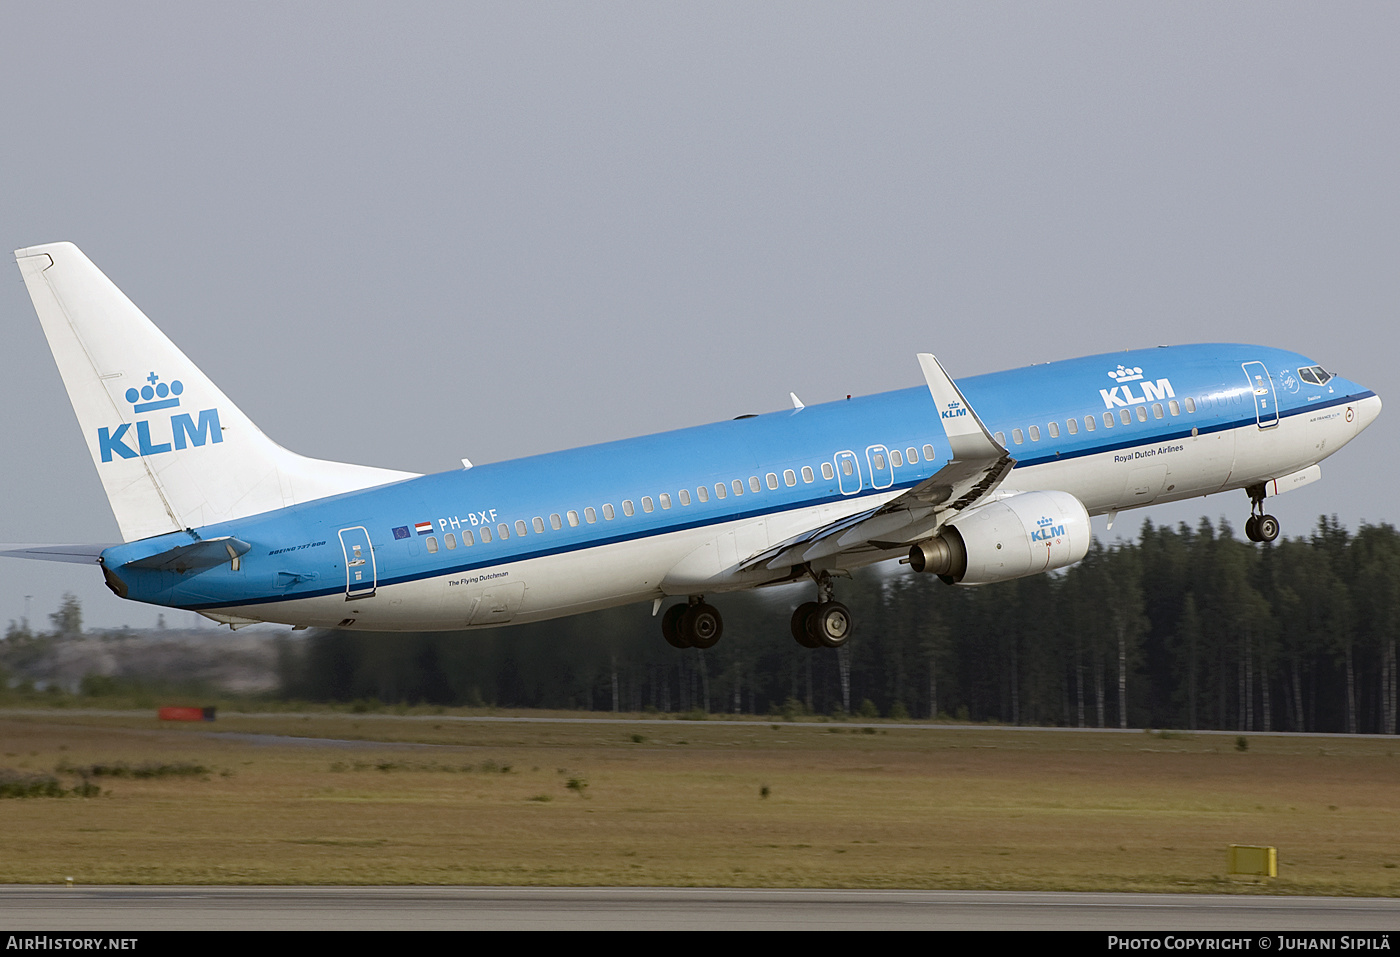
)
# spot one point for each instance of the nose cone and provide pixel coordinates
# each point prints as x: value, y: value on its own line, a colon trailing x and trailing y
x: 1365, y: 411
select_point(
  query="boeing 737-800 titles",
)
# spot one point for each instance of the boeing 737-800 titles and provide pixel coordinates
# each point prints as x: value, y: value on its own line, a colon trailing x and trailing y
x: 983, y: 480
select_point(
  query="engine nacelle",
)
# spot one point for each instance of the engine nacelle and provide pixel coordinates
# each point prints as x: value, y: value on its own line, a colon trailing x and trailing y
x: 1022, y: 534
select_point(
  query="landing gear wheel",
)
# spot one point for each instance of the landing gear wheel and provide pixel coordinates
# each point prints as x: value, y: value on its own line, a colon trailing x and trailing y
x: 1266, y: 528
x: 1260, y: 527
x: 701, y: 626
x: 671, y: 627
x: 801, y: 620
x: 830, y: 625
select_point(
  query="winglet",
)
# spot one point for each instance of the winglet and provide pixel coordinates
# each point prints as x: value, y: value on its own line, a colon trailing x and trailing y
x: 967, y: 436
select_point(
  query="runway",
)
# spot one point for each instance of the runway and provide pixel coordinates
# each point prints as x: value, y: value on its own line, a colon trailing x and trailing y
x: 112, y: 908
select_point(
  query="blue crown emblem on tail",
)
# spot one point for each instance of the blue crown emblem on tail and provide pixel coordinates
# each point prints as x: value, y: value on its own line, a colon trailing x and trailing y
x: 185, y: 428
x: 155, y: 395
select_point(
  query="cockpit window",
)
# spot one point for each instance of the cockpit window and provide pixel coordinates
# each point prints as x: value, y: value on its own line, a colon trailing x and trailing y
x: 1315, y: 374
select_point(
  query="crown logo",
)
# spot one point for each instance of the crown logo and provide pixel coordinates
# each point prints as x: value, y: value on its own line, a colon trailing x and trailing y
x: 1126, y: 374
x: 155, y: 395
x: 1045, y: 521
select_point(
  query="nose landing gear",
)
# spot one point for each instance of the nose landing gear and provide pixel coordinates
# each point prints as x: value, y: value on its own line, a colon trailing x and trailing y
x: 1259, y: 527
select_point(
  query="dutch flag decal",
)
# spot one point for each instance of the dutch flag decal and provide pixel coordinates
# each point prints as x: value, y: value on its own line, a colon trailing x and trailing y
x: 424, y: 528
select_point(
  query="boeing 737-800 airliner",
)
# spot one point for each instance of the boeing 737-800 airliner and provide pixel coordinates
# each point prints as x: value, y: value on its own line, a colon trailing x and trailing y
x: 983, y: 480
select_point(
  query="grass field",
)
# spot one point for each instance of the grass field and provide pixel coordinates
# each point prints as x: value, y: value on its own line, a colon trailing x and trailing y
x: 424, y: 799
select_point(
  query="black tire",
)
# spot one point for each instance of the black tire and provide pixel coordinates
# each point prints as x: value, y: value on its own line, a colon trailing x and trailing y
x: 671, y: 626
x: 701, y: 626
x: 1267, y: 528
x: 831, y: 624
x: 1251, y: 528
x: 801, y: 622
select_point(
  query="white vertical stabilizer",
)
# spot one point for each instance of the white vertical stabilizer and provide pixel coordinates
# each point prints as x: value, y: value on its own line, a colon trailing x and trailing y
x: 172, y: 451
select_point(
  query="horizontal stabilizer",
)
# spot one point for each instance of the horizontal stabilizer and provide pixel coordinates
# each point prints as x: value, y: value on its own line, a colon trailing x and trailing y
x: 78, y: 554
x: 195, y: 556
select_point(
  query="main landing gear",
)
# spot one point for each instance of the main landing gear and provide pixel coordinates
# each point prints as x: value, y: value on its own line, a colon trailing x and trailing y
x: 693, y: 625
x: 1259, y: 527
x: 824, y: 623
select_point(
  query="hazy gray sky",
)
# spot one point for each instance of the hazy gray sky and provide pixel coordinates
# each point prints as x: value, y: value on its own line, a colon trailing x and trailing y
x: 403, y: 233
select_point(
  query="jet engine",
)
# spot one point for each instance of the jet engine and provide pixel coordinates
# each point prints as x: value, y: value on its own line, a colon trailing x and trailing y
x: 1022, y: 534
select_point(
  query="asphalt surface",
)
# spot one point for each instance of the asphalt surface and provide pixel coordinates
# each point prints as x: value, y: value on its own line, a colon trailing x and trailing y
x: 115, y: 908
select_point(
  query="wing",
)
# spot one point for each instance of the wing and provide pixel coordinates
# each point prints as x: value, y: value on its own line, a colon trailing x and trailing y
x: 977, y: 465
x: 81, y: 554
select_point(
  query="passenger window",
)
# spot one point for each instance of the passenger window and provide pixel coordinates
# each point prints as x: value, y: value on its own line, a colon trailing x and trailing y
x: 485, y: 534
x: 503, y: 531
x: 1190, y: 404
x: 1073, y: 426
x: 789, y: 478
x: 828, y: 472
x: 608, y: 512
x: 896, y: 459
x: 911, y: 455
x: 627, y: 508
x: 1157, y: 410
x: 1035, y: 433
x: 573, y: 519
x: 451, y: 541
x: 846, y: 468
x: 807, y: 475
x: 1017, y: 436
x: 590, y: 515
x: 468, y: 539
x: 1090, y: 423
x: 1001, y: 439
x: 1124, y: 416
x: 666, y: 499
x: 738, y: 487
x: 1142, y: 413
x: 720, y: 490
x: 554, y: 521
x: 1108, y: 420
x: 928, y: 453
x: 1174, y: 406
x: 432, y: 544
x: 879, y: 461
x: 520, y: 527
x: 647, y: 505
x: 1054, y: 430
x: 703, y: 494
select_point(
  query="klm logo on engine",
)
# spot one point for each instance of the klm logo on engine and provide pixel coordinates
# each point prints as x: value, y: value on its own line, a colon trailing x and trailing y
x: 1122, y: 395
x: 954, y: 410
x: 184, y: 429
x: 1046, y: 530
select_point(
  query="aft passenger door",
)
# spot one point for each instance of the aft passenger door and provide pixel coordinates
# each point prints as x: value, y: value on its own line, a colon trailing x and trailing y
x: 361, y: 576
